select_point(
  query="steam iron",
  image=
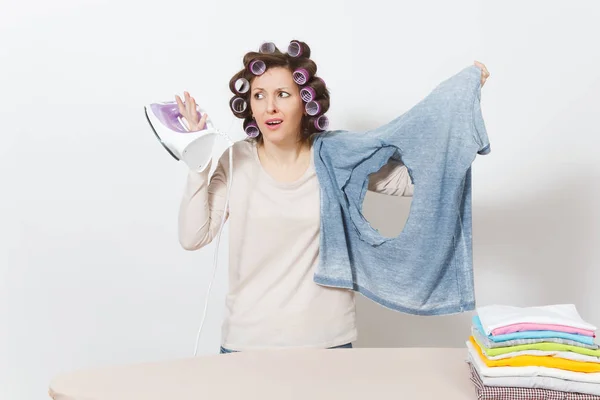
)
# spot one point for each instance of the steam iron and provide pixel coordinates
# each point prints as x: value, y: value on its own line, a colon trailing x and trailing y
x: 192, y: 147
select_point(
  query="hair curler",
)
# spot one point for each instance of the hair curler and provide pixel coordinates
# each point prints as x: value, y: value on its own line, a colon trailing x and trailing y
x: 313, y: 107
x: 257, y: 67
x: 267, y: 47
x: 251, y: 129
x: 307, y: 93
x: 298, y: 49
x: 301, y: 76
x: 238, y: 105
x: 241, y: 85
x: 321, y: 123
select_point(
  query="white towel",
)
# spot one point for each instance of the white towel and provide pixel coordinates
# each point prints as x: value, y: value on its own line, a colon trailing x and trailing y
x: 540, y: 382
x: 496, y: 316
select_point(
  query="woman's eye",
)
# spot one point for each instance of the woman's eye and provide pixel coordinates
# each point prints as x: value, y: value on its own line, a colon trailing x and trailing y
x: 282, y: 94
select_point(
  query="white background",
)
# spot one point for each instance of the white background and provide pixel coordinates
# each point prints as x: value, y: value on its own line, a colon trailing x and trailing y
x: 91, y: 272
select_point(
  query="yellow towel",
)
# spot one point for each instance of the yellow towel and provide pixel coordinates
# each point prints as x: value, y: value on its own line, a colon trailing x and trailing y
x: 537, y: 361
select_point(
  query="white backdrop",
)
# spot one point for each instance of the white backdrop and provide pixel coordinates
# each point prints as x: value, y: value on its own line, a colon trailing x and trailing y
x: 91, y: 269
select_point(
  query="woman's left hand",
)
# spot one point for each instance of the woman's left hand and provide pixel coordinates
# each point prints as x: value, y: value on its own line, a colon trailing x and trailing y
x: 484, y: 72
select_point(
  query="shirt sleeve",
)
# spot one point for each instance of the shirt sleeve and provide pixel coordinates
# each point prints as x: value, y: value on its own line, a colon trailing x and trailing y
x: 202, y: 206
x: 392, y: 179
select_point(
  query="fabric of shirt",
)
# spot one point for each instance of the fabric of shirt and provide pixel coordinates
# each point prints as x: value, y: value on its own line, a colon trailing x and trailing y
x: 272, y: 301
x: 526, y: 326
x: 542, y: 382
x: 475, y: 356
x: 536, y: 361
x: 427, y: 269
x: 544, y: 348
x: 534, y: 334
x: 496, y: 348
x: 569, y: 355
x: 511, y: 392
x: 497, y: 316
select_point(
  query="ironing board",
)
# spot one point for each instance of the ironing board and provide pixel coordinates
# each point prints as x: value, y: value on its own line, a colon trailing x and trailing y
x: 359, y: 373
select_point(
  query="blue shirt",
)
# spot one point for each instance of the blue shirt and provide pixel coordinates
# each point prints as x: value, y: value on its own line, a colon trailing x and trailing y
x: 428, y: 268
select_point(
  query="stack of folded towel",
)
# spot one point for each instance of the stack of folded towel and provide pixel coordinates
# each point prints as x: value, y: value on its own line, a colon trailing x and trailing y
x: 546, y: 352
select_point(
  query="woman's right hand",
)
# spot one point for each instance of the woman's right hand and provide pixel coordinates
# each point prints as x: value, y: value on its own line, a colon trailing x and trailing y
x: 188, y: 111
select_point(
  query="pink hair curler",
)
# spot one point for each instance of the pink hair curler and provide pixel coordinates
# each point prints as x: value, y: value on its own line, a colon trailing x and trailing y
x: 301, y: 76
x: 257, y: 67
x: 251, y: 129
x: 313, y: 108
x: 307, y: 93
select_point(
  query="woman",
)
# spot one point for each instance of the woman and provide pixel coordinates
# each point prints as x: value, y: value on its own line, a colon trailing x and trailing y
x: 274, y: 209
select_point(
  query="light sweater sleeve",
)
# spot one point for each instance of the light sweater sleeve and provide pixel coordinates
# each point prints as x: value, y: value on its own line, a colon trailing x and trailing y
x: 392, y: 179
x: 202, y: 206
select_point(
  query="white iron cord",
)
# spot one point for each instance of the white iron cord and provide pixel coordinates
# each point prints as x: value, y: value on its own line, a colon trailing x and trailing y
x: 225, y: 212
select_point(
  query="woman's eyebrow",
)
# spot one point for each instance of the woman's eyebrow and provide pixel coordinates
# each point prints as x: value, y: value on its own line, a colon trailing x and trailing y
x: 259, y: 88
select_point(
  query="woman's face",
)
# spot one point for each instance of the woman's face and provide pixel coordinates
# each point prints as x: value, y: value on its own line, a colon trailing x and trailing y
x: 276, y: 105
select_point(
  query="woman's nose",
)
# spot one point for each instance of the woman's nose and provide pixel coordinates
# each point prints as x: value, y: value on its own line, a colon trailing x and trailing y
x: 271, y: 106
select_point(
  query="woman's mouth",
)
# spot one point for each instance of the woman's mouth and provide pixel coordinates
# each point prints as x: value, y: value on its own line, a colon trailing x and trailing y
x: 273, y: 124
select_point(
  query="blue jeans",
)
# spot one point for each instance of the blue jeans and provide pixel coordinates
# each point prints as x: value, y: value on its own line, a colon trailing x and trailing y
x: 343, y: 346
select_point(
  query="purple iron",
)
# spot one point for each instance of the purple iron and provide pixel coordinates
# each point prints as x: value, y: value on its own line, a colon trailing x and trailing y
x: 195, y: 148
x: 192, y: 147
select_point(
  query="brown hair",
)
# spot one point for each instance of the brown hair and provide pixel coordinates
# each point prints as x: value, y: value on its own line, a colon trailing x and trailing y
x: 273, y: 57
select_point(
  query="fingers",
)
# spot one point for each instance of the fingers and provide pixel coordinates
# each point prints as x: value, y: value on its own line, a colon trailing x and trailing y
x: 190, y: 103
x: 484, y: 69
x: 202, y: 123
x: 187, y: 109
x: 484, y: 72
x: 193, y: 112
x: 187, y: 104
x: 180, y: 105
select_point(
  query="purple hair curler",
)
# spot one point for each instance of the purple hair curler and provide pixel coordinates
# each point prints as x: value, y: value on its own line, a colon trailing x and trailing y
x: 298, y: 49
x: 307, y: 93
x: 242, y: 85
x: 238, y: 105
x: 301, y: 76
x: 295, y: 49
x: 267, y: 47
x: 322, y: 123
x: 251, y: 129
x: 257, y: 67
x: 313, y: 108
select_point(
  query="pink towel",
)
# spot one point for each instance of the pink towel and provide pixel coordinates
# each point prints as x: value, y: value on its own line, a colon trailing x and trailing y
x: 541, y: 327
